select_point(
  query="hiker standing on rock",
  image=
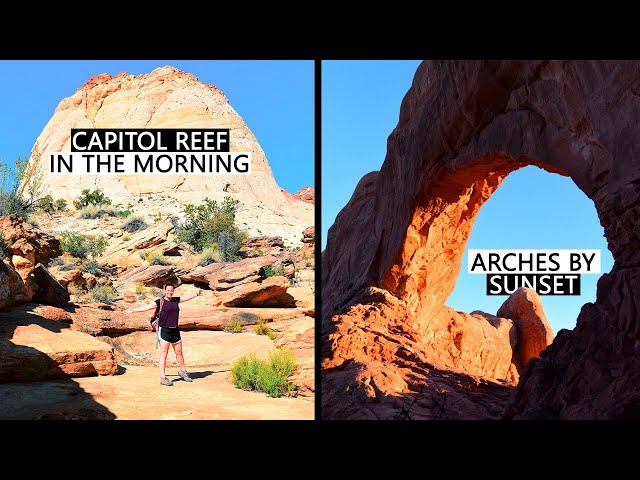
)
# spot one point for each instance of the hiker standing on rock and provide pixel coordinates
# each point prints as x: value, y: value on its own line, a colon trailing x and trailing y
x: 168, y: 330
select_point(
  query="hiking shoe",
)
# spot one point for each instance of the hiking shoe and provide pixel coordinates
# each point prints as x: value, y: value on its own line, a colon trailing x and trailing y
x: 165, y: 381
x: 185, y: 376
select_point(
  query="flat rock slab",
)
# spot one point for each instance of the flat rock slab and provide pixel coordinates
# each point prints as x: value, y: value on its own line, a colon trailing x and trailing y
x: 33, y: 352
x: 138, y: 395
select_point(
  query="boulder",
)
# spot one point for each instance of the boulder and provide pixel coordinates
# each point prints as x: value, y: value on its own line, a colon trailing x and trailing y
x: 271, y: 292
x: 524, y: 307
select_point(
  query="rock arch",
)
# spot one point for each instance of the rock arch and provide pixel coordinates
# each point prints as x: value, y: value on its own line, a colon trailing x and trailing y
x: 464, y: 126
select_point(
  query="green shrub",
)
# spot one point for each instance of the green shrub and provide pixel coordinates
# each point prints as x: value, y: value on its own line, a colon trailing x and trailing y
x: 140, y: 289
x: 124, y: 213
x: 104, y: 294
x: 261, y: 328
x: 19, y: 187
x: 282, y: 361
x: 234, y: 326
x: 46, y: 204
x: 91, y: 267
x: 269, y: 271
x: 208, y: 256
x: 96, y: 211
x: 60, y: 204
x: 270, y: 377
x: 156, y: 259
x: 82, y: 246
x: 212, y: 223
x: 91, y: 198
x: 134, y: 224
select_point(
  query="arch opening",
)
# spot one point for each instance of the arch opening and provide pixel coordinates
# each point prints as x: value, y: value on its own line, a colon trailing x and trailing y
x: 428, y: 266
x: 534, y: 210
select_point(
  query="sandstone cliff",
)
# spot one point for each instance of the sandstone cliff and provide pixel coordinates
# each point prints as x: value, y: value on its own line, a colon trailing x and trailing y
x: 169, y: 98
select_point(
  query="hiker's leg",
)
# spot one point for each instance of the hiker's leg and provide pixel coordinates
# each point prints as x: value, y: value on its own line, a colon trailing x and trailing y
x: 177, y: 347
x: 164, y: 351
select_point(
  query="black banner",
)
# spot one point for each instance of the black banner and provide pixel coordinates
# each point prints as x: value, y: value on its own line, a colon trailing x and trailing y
x: 150, y: 140
x: 542, y: 283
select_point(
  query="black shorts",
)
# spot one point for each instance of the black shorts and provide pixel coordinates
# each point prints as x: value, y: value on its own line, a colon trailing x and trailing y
x: 169, y: 335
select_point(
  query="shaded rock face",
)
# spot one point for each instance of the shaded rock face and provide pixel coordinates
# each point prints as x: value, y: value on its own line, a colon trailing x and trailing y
x: 49, y: 290
x: 169, y: 98
x: 464, y: 126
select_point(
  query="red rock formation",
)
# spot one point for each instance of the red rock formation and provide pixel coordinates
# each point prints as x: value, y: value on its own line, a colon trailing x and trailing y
x: 224, y: 276
x: 524, y: 306
x: 13, y: 287
x: 271, y: 292
x: 27, y: 241
x: 258, y: 246
x: 464, y: 126
x: 306, y: 194
x: 309, y: 235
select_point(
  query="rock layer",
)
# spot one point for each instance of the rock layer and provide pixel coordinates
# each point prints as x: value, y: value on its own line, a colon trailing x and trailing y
x: 463, y: 127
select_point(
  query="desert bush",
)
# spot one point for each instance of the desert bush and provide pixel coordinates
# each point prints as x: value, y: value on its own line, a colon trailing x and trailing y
x: 134, y: 224
x: 97, y: 211
x: 104, y: 293
x: 156, y: 259
x: 19, y: 187
x: 234, y: 326
x: 269, y: 271
x: 124, y: 213
x: 208, y: 256
x: 261, y: 328
x: 81, y: 246
x: 140, y: 289
x: 91, y: 267
x: 60, y: 204
x: 45, y: 204
x: 212, y: 223
x: 87, y: 198
x: 270, y: 377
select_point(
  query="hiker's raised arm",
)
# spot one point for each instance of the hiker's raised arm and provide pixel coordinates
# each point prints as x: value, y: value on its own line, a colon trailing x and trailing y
x: 189, y: 297
x: 143, y: 308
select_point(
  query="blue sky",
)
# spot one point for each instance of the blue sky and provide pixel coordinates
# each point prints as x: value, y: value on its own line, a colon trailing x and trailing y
x: 275, y: 98
x: 531, y: 209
